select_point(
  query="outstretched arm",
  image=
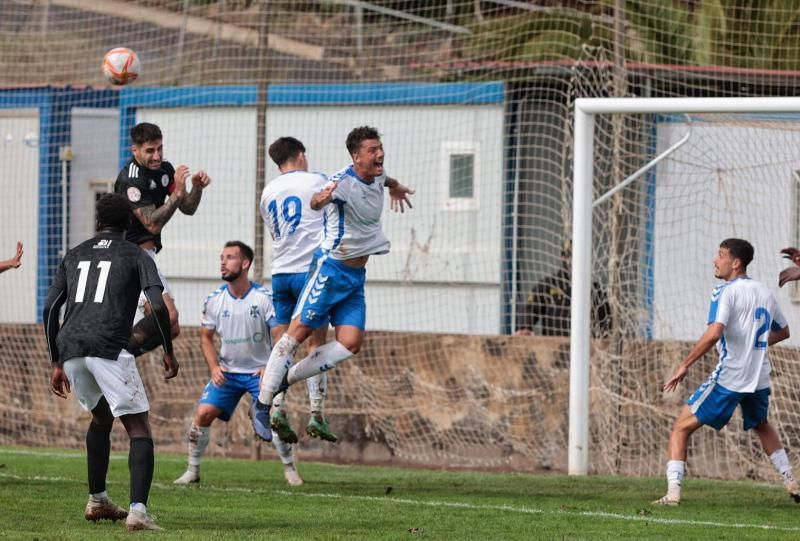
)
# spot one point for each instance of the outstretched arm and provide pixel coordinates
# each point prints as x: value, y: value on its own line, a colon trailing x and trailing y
x: 14, y: 262
x: 399, y: 194
x: 706, y: 342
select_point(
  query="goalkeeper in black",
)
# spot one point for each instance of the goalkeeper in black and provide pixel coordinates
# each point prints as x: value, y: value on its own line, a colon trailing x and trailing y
x: 100, y: 281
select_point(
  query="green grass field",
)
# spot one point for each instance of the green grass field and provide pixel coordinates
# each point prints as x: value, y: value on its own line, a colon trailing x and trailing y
x: 43, y: 492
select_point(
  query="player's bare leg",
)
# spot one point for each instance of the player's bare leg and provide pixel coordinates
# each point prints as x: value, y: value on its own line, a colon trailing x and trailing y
x: 98, y: 453
x: 684, y: 426
x: 771, y: 442
x: 199, y: 436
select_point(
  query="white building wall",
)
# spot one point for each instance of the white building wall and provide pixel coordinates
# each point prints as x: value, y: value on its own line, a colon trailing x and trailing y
x: 433, y: 246
x: 19, y: 182
x: 727, y: 181
x: 94, y: 168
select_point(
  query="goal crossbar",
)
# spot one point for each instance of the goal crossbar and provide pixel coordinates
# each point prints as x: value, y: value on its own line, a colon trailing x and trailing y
x: 583, y: 161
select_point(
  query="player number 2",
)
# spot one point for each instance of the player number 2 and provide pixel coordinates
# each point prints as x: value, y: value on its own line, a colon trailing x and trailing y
x: 292, y: 210
x: 762, y: 314
x: 100, y: 292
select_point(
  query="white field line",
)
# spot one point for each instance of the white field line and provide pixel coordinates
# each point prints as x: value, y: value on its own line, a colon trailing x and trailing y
x: 439, y: 504
x: 81, y: 455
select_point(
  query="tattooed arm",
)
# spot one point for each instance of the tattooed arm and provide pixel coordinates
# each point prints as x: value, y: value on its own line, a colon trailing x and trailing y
x: 199, y: 181
x: 153, y: 219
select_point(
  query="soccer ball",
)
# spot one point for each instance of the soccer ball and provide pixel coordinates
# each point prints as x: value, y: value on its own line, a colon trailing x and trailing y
x: 120, y: 66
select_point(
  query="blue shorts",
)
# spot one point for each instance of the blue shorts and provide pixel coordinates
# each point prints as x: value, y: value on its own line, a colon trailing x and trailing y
x: 333, y: 290
x: 713, y: 405
x: 286, y: 289
x: 227, y: 396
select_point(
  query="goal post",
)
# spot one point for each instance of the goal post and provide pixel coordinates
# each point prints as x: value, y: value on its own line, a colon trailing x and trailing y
x: 585, y: 112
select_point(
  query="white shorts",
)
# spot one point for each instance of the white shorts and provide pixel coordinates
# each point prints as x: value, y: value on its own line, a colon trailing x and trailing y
x: 164, y: 282
x: 92, y: 378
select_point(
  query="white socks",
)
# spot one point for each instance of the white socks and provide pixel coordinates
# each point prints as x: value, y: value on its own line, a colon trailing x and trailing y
x: 279, y: 362
x: 284, y: 449
x: 675, y: 472
x: 321, y: 360
x: 317, y: 386
x: 99, y: 497
x: 198, y: 441
x: 781, y: 462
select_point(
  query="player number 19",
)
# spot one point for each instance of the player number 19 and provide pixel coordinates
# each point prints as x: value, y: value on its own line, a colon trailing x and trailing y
x: 292, y: 213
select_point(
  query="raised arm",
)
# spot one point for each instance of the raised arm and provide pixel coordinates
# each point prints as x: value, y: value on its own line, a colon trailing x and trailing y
x: 154, y: 219
x: 14, y: 262
x: 200, y: 181
x: 398, y: 194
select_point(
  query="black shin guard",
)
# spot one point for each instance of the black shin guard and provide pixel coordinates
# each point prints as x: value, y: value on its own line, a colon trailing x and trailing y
x: 141, y: 463
x: 144, y: 336
x: 98, y: 450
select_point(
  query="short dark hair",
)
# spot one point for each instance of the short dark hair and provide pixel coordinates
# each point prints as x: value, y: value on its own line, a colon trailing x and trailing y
x: 740, y: 249
x: 246, y: 251
x: 358, y: 136
x: 285, y: 149
x: 144, y: 132
x: 113, y: 210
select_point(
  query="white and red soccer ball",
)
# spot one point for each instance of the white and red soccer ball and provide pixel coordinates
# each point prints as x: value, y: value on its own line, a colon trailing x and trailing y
x: 121, y: 66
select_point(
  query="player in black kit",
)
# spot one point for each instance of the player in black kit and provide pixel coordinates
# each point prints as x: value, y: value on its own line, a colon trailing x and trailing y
x: 100, y: 281
x: 155, y: 190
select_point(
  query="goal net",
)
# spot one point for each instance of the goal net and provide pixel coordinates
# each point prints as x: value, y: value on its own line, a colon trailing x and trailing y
x: 716, y: 176
x: 467, y: 356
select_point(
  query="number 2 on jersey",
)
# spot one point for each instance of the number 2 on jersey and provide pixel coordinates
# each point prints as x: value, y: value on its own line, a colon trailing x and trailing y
x: 762, y: 313
x: 84, y: 267
x: 292, y: 210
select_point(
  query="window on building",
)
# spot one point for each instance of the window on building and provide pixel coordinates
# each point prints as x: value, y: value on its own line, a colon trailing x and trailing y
x: 462, y: 176
x: 460, y: 165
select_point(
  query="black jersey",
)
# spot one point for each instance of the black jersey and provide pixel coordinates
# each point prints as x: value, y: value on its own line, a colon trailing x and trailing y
x: 145, y: 187
x: 102, y: 278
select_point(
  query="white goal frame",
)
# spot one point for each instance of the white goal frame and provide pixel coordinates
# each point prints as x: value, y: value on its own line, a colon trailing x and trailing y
x: 583, y: 162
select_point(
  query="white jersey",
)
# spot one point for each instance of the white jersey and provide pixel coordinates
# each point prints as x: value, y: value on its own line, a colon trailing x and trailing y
x: 295, y: 227
x: 353, y: 218
x: 749, y: 311
x: 243, y: 326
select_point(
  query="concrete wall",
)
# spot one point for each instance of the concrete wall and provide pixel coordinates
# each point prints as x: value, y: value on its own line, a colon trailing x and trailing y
x: 433, y: 400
